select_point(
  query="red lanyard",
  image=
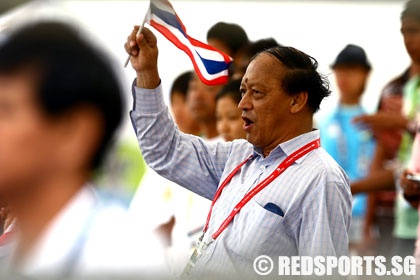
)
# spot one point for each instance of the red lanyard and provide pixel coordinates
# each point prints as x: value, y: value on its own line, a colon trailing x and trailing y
x: 279, y: 170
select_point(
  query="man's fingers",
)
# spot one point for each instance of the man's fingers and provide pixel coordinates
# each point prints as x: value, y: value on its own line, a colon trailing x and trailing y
x: 131, y: 49
x: 131, y: 46
x: 146, y: 37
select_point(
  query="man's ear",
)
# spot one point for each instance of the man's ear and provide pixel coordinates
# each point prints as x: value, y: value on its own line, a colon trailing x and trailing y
x: 298, y: 102
x: 80, y: 133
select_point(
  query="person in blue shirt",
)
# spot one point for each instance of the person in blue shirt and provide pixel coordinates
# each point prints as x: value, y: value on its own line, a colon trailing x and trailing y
x: 350, y: 145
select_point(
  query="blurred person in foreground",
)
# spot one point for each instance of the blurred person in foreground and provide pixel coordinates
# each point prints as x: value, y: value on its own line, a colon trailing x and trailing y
x: 350, y: 145
x: 304, y: 210
x: 60, y: 104
x: 394, y: 128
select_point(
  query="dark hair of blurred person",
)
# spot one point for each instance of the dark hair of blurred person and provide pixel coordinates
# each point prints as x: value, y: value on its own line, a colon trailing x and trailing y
x: 60, y: 104
x: 231, y: 39
x: 250, y: 50
x: 411, y: 9
x: 351, y: 69
x: 42, y: 58
x: 227, y: 37
x: 410, y: 19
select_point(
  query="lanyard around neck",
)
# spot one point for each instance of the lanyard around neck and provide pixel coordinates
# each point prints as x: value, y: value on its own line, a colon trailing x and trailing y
x: 279, y: 170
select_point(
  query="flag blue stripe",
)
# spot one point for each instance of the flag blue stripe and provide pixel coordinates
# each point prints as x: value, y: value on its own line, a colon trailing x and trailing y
x: 214, y: 66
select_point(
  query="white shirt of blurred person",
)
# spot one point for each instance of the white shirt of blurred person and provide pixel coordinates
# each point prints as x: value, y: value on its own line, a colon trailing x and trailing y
x: 228, y: 116
x: 310, y: 209
x: 350, y: 145
x: 60, y: 104
x: 182, y: 213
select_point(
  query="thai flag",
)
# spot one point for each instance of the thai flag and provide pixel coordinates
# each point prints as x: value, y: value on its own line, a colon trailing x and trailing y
x: 210, y: 64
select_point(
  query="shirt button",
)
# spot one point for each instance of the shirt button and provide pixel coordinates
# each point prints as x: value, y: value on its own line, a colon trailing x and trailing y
x: 262, y: 168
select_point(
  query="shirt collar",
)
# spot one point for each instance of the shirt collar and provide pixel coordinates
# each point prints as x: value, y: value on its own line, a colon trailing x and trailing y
x: 286, y: 148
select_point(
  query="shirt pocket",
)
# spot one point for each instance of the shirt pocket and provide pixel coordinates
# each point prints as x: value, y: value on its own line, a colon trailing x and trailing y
x: 258, y: 231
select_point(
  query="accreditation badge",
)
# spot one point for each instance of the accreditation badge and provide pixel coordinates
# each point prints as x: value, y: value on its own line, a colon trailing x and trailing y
x: 196, y: 255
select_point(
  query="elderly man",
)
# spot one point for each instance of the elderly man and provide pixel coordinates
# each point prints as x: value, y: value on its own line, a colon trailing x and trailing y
x: 277, y: 193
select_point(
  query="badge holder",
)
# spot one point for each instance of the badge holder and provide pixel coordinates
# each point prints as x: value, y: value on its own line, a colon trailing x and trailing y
x: 196, y: 255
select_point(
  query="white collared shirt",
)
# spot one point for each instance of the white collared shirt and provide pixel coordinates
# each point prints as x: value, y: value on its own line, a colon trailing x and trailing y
x: 93, y: 236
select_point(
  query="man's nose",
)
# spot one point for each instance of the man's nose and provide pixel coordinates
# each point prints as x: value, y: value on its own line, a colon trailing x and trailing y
x: 245, y: 103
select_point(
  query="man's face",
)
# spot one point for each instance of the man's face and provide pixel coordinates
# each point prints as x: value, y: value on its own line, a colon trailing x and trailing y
x: 201, y: 100
x: 26, y: 138
x: 410, y: 29
x: 265, y: 106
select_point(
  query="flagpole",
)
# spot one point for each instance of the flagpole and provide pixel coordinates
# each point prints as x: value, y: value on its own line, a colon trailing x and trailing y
x: 138, y: 33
